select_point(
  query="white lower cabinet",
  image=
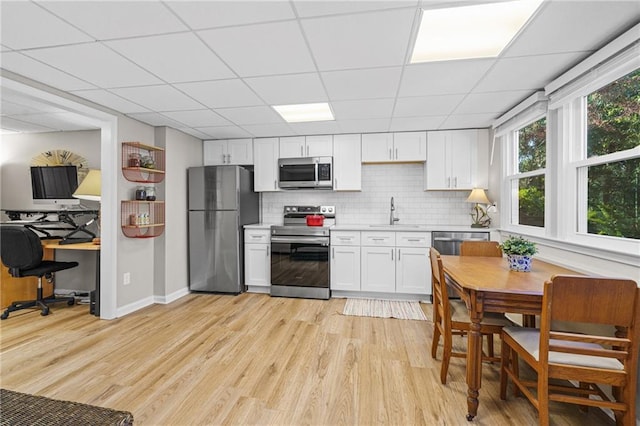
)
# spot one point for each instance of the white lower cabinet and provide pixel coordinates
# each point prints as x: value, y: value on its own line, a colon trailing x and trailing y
x: 378, y: 269
x: 345, y: 261
x: 413, y: 271
x: 257, y: 260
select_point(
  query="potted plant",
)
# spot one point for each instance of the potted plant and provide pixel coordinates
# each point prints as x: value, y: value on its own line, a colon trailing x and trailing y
x: 519, y: 252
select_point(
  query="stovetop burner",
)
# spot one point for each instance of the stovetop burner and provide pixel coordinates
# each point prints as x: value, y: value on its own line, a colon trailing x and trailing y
x: 295, y: 221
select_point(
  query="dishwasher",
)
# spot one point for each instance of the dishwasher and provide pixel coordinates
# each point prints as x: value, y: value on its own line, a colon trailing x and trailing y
x: 448, y: 243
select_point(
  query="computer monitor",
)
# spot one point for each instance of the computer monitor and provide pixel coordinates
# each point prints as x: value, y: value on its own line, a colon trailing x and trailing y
x: 54, y: 184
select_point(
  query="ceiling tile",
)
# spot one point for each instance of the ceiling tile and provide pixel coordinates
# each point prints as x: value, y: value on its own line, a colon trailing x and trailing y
x: 364, y: 126
x: 443, y: 78
x: 426, y: 105
x: 151, y: 53
x: 8, y: 123
x: 158, y: 98
x: 307, y: 8
x: 198, y: 118
x: 528, y: 72
x: 194, y: 132
x: 468, y: 121
x: 590, y: 23
x: 315, y: 128
x: 224, y: 132
x: 494, y: 102
x: 26, y: 25
x: 416, y: 123
x: 269, y: 130
x: 374, y: 39
x: 117, y: 19
x: 202, y: 14
x: 289, y: 89
x: 362, y: 84
x: 250, y: 115
x: 358, y: 110
x: 95, y: 64
x: 221, y: 93
x: 155, y: 119
x: 62, y: 121
x: 109, y: 100
x: 28, y: 67
x: 261, y: 49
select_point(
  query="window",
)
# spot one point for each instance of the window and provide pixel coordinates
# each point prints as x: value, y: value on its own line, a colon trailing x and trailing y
x: 528, y: 181
x: 609, y: 178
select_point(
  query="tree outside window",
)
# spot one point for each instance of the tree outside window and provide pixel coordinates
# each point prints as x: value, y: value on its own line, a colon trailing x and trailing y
x: 532, y: 158
x: 613, y: 187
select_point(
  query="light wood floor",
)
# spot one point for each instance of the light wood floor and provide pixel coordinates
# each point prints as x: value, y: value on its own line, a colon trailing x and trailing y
x: 251, y: 359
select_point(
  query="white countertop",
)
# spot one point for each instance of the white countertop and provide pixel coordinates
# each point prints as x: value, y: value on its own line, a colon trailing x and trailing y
x: 397, y: 228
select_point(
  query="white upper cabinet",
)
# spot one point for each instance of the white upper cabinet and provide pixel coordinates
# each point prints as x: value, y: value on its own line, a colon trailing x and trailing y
x: 394, y: 147
x: 225, y: 152
x: 347, y: 163
x: 265, y: 170
x: 306, y: 146
x: 457, y: 159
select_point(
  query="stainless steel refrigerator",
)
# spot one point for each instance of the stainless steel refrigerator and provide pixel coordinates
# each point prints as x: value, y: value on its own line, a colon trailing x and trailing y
x: 221, y: 201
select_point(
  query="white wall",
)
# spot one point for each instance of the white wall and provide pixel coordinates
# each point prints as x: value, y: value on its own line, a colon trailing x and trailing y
x: 17, y: 152
x: 171, y: 248
x: 380, y: 182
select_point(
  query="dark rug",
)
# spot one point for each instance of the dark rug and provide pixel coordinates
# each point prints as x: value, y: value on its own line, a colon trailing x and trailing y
x: 18, y: 409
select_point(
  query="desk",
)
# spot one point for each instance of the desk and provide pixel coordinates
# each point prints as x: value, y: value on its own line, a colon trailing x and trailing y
x: 487, y: 285
x: 55, y: 245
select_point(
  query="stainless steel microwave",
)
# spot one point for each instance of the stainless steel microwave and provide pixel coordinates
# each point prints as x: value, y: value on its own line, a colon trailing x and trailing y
x: 305, y: 173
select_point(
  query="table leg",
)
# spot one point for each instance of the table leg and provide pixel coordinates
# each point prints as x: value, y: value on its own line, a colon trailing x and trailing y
x: 474, y: 364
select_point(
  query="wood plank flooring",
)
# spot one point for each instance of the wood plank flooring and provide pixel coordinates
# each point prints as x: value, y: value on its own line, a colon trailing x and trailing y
x: 251, y: 359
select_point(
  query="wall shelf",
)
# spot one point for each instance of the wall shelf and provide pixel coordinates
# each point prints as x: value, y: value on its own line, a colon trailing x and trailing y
x: 143, y: 163
x: 142, y: 219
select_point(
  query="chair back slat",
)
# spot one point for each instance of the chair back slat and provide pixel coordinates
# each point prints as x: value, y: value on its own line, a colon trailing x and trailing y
x: 440, y: 295
x: 480, y: 248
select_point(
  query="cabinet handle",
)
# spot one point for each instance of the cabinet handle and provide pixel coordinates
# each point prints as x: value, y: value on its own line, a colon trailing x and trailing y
x: 378, y: 239
x: 301, y: 151
x: 390, y: 154
x: 275, y: 184
x: 396, y: 153
x: 398, y: 255
x: 307, y: 150
x: 333, y: 253
x: 448, y: 182
x: 228, y: 158
x: 391, y: 254
x: 455, y: 182
x: 268, y: 250
x: 413, y: 239
x: 345, y: 238
x: 335, y: 182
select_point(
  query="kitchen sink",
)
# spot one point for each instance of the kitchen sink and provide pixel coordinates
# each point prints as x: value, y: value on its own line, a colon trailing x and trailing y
x: 394, y: 226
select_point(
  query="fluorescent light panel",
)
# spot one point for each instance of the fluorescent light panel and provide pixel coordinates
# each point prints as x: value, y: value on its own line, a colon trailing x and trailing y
x: 478, y: 31
x: 305, y: 112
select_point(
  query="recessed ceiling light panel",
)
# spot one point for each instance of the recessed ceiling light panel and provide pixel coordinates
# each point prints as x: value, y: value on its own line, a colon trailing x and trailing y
x: 478, y: 31
x: 305, y: 112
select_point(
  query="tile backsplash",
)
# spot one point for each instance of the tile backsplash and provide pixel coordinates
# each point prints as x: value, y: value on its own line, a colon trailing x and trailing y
x: 380, y: 182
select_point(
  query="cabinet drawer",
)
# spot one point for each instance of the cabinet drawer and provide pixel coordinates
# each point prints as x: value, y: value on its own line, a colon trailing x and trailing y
x: 345, y: 238
x: 256, y: 236
x: 379, y: 238
x: 413, y: 239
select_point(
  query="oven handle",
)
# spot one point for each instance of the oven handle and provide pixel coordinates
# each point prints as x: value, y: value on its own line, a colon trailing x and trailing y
x: 321, y: 241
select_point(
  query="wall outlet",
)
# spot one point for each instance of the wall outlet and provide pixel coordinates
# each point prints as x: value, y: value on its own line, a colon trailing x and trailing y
x: 126, y: 278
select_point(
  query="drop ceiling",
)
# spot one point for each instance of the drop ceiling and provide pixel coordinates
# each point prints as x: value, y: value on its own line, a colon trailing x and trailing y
x: 213, y: 69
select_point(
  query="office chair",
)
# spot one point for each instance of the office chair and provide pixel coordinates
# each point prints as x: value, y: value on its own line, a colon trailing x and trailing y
x: 21, y: 251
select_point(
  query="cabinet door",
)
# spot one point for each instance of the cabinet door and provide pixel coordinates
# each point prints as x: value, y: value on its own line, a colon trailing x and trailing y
x: 240, y: 151
x: 347, y: 163
x: 345, y: 268
x: 292, y: 147
x: 319, y: 146
x: 436, y: 170
x: 377, y: 147
x: 410, y: 146
x: 257, y: 265
x: 265, y: 170
x: 378, y: 269
x: 214, y: 152
x: 413, y: 271
x: 462, y: 153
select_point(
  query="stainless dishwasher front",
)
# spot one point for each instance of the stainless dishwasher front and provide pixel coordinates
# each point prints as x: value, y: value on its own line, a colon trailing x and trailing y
x: 448, y: 243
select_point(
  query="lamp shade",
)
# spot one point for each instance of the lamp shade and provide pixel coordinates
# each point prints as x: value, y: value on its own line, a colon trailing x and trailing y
x: 90, y: 187
x: 478, y: 196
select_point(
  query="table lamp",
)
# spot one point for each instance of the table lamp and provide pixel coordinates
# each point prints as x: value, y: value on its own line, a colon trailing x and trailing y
x: 478, y: 212
x: 90, y: 189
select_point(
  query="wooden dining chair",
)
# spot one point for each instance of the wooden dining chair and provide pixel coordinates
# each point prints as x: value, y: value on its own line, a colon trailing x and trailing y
x: 480, y: 248
x: 590, y: 360
x: 451, y: 317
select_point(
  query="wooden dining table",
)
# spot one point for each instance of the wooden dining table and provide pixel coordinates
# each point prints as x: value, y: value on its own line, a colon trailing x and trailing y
x: 486, y: 284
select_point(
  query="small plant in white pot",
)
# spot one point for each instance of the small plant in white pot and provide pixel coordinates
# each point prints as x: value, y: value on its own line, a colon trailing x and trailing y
x: 519, y: 252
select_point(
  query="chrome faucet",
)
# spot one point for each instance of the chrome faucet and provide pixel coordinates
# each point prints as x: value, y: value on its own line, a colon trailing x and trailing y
x: 392, y: 219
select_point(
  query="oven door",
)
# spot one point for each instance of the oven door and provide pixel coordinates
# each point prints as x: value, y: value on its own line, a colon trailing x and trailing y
x: 300, y: 261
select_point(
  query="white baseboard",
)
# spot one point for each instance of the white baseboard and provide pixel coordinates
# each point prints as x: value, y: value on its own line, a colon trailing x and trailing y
x: 164, y: 300
x: 135, y: 306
